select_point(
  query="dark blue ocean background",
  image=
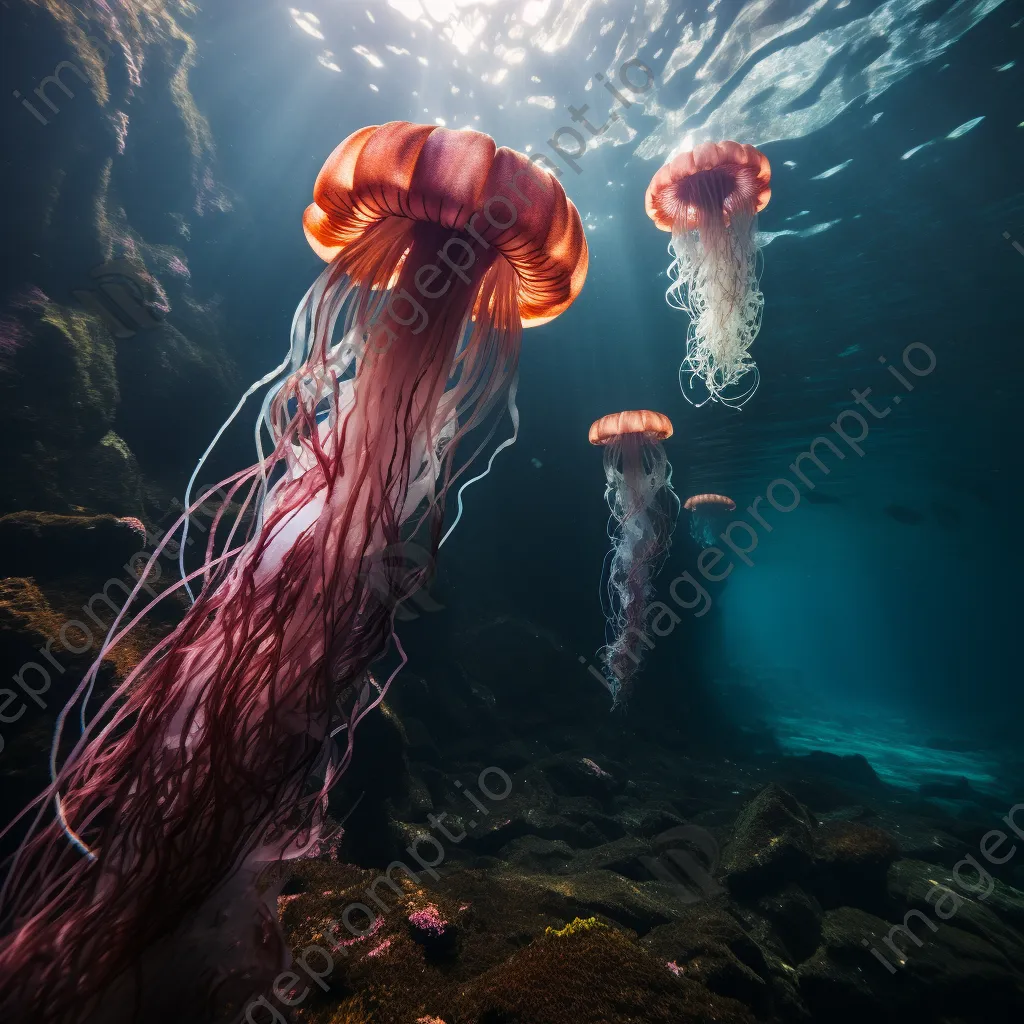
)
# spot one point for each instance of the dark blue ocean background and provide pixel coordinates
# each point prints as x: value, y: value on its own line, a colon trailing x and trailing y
x: 874, y: 618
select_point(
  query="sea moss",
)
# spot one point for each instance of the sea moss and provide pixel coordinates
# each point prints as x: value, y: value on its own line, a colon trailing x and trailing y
x: 593, y: 976
x: 575, y: 927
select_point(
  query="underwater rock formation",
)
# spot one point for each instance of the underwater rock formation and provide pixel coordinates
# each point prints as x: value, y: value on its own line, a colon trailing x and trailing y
x: 90, y: 262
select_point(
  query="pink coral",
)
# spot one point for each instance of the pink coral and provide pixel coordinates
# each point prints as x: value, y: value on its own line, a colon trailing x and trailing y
x: 593, y: 766
x: 134, y: 524
x: 429, y: 921
x: 674, y: 968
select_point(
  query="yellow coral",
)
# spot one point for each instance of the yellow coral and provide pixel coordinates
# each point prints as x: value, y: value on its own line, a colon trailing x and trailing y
x: 574, y: 927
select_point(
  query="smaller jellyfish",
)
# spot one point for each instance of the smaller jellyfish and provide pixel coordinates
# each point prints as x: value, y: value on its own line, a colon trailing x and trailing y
x: 707, y: 516
x: 643, y: 515
x: 709, y: 199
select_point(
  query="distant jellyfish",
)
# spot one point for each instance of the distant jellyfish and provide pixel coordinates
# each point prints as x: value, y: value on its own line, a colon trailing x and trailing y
x: 707, y: 516
x: 643, y: 515
x: 709, y: 199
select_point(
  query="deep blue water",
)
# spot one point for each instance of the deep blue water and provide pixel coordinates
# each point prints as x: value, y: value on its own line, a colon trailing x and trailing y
x: 886, y: 631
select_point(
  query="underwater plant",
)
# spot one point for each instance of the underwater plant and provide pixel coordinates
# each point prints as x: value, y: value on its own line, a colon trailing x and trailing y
x: 709, y: 199
x: 212, y: 760
x: 644, y: 507
x: 575, y: 927
x: 706, y: 514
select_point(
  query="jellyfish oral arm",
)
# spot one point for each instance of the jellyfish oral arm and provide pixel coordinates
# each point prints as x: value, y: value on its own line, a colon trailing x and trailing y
x: 715, y: 282
x: 709, y: 198
x: 642, y: 506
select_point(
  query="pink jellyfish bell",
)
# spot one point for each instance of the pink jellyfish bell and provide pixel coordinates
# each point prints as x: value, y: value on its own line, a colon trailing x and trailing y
x: 709, y: 199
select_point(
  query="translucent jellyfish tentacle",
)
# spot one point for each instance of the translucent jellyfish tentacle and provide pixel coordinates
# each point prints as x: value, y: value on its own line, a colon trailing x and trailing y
x: 513, y: 411
x: 643, y: 507
x: 282, y: 367
x: 708, y: 197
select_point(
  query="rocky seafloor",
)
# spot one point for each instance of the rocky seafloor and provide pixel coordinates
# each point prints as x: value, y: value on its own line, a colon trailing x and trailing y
x: 654, y: 887
x: 513, y: 854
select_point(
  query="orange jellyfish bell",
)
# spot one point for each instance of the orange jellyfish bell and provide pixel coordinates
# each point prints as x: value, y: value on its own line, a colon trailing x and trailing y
x: 655, y: 426
x: 707, y: 513
x: 495, y: 197
x: 732, y: 176
x: 697, y: 500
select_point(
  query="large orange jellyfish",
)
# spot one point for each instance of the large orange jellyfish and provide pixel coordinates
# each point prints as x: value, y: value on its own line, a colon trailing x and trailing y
x: 709, y: 199
x: 136, y: 891
x: 644, y: 507
x: 707, y: 514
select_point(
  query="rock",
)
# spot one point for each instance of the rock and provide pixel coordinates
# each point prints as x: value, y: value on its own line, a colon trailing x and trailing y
x: 162, y: 373
x: 648, y: 820
x: 628, y: 856
x: 50, y: 547
x: 941, y: 896
x: 637, y: 905
x: 772, y: 844
x: 841, y: 982
x: 855, y: 975
x: 709, y: 946
x: 540, y: 856
x: 106, y: 478
x: 574, y: 776
x: 365, y: 797
x: 852, y: 861
x: 796, y: 918
x: 68, y: 358
x: 598, y: 976
x: 37, y: 685
x: 432, y: 930
x: 421, y: 744
x: 420, y: 801
x: 58, y: 397
x: 921, y: 839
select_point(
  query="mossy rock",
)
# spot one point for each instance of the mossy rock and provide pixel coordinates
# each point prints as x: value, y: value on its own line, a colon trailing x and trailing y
x: 48, y: 546
x: 175, y: 394
x: 594, y: 976
x: 772, y: 844
x: 61, y: 385
x: 106, y: 478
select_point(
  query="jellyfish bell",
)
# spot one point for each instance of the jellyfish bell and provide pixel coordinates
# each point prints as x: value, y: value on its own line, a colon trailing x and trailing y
x: 707, y: 515
x: 709, y: 199
x: 212, y: 760
x: 702, y: 501
x: 643, y: 509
